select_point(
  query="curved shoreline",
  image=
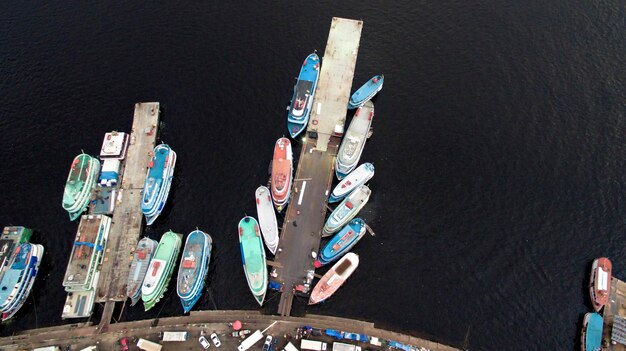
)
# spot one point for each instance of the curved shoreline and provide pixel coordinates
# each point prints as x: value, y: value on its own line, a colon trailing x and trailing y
x: 85, y: 334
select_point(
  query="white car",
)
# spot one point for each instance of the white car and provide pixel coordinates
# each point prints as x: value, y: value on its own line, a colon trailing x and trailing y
x: 268, y: 343
x: 216, y: 340
x: 204, y: 342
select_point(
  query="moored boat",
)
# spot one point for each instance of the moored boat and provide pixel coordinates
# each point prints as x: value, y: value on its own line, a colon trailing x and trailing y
x: 342, y: 242
x: 354, y: 140
x: 19, y: 278
x: 193, y: 269
x: 10, y: 240
x: 114, y: 145
x: 158, y: 182
x: 600, y: 282
x: 139, y: 267
x: 303, y: 93
x: 346, y: 210
x: 282, y: 173
x: 253, y: 257
x: 591, y: 334
x: 353, y: 180
x: 79, y: 185
x: 366, y: 92
x: 334, y: 278
x: 267, y: 218
x: 160, y: 269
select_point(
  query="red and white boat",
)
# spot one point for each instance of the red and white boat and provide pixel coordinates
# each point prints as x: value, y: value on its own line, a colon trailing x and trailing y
x: 600, y: 282
x: 282, y: 169
x: 334, y: 278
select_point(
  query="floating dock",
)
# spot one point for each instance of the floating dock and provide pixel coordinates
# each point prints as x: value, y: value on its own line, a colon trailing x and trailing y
x: 301, y: 233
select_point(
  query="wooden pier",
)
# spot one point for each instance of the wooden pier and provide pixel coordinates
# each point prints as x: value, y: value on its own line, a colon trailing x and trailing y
x: 301, y: 232
x: 614, y: 309
x: 126, y: 227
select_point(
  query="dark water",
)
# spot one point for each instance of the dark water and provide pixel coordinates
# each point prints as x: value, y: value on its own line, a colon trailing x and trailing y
x: 499, y: 147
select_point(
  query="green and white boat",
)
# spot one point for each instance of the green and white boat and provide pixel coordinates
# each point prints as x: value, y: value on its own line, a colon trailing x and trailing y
x: 253, y: 257
x: 80, y: 184
x: 160, y: 269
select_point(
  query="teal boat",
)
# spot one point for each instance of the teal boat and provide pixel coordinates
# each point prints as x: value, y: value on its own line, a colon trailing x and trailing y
x: 342, y: 242
x: 253, y: 257
x: 591, y: 336
x: 303, y: 93
x: 366, y: 92
x: 80, y: 184
x: 160, y: 269
x: 193, y: 269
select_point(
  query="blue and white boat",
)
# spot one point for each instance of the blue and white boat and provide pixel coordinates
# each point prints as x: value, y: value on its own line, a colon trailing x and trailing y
x: 342, y: 242
x: 591, y: 336
x: 366, y: 92
x: 346, y: 210
x: 353, y: 142
x: 303, y: 92
x: 158, y: 182
x: 353, y: 180
x: 19, y: 279
x: 194, y: 267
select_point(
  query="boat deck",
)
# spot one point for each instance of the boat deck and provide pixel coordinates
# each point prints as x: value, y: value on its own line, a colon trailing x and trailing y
x: 89, y: 239
x: 301, y: 233
x: 333, y: 87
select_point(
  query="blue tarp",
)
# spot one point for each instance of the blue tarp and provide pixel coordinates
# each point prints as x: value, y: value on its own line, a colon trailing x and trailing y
x: 334, y: 333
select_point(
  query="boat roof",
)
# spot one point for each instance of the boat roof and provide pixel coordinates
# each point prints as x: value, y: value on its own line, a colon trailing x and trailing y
x: 88, y: 243
x: 113, y: 145
x: 594, y: 332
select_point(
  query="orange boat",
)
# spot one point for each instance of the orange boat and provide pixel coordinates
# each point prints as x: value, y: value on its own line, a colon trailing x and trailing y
x: 334, y: 278
x: 282, y: 169
x: 600, y: 282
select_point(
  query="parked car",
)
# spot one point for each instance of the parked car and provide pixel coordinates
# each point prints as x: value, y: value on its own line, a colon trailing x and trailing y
x: 216, y: 340
x: 268, y: 343
x: 124, y: 344
x: 204, y: 342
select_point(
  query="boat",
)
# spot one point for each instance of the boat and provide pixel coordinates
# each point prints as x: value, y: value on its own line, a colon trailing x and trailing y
x: 158, y: 182
x: 253, y: 257
x: 346, y: 210
x: 114, y: 145
x: 282, y: 169
x: 19, y: 278
x: 83, y: 269
x: 193, y: 269
x: 353, y: 180
x: 303, y: 93
x: 160, y: 269
x: 11, y: 238
x: 354, y: 141
x: 267, y: 218
x: 591, y: 335
x: 139, y: 267
x: 342, y: 242
x: 366, y: 92
x: 334, y: 278
x: 79, y: 185
x: 600, y: 282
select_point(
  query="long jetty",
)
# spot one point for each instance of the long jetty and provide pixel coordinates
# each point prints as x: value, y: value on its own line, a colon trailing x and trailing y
x: 126, y: 225
x: 301, y: 232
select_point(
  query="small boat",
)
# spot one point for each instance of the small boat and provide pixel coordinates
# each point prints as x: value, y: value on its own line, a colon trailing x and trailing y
x: 10, y: 240
x: 353, y: 142
x: 353, y: 180
x: 282, y: 173
x: 193, y: 269
x: 591, y: 335
x: 160, y: 269
x: 366, y: 92
x: 139, y: 268
x: 600, y: 282
x: 158, y: 182
x: 346, y: 210
x: 19, y: 279
x: 303, y: 93
x: 334, y: 278
x: 253, y: 257
x: 342, y: 242
x: 79, y: 185
x: 114, y: 145
x: 267, y: 218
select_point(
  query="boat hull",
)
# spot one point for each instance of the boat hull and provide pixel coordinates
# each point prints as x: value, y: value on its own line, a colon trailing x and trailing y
x: 253, y: 257
x: 342, y: 242
x: 334, y: 278
x: 303, y: 94
x: 193, y: 268
x: 356, y: 178
x: 158, y: 182
x: 80, y: 184
x: 591, y: 334
x: 282, y: 173
x: 353, y: 142
x: 22, y: 295
x: 346, y: 210
x: 366, y: 92
x: 267, y: 218
x: 160, y: 270
x: 139, y: 268
x: 600, y: 282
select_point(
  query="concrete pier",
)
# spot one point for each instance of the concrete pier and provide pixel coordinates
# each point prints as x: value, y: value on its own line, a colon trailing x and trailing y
x: 79, y: 336
x: 301, y: 232
x: 126, y: 227
x: 614, y: 309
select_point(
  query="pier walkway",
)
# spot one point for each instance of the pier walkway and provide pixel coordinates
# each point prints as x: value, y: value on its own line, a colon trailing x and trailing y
x: 301, y: 232
x: 614, y: 309
x: 126, y: 227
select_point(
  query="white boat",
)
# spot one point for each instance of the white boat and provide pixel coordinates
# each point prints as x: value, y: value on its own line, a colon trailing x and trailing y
x: 354, y: 141
x: 356, y: 178
x: 334, y: 278
x: 346, y: 210
x: 267, y: 218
